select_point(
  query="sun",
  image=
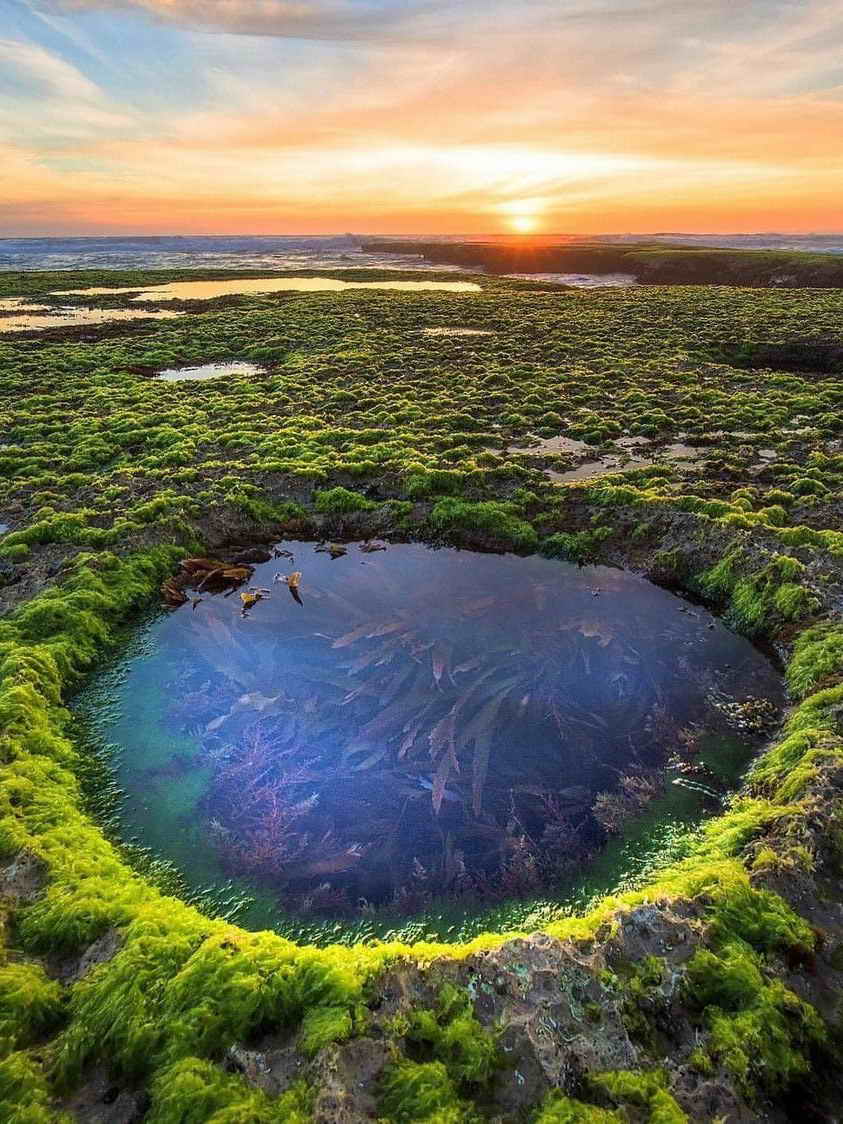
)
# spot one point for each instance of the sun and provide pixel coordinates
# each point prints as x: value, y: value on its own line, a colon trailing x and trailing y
x: 523, y: 223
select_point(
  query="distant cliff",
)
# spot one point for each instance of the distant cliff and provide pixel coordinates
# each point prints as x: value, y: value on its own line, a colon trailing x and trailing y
x: 649, y: 263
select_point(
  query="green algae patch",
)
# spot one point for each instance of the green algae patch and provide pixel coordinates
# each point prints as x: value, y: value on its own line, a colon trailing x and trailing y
x: 423, y: 1093
x: 761, y: 1032
x: 25, y: 1094
x: 500, y: 521
x: 645, y: 1093
x: 31, y: 1004
x: 196, y: 1092
x: 817, y: 658
x: 467, y: 1050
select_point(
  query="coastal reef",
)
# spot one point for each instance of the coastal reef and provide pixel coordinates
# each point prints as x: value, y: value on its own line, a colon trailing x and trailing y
x: 692, y: 434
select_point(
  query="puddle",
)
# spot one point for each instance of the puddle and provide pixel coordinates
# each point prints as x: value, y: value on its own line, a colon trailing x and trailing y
x: 456, y: 332
x: 32, y: 318
x: 208, y: 290
x: 633, y: 442
x: 419, y: 724
x: 208, y: 371
x: 579, y: 280
x: 551, y: 445
x: 598, y: 468
x: 612, y: 462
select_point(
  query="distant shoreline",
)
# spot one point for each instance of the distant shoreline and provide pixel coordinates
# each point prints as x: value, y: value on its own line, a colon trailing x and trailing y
x: 650, y: 263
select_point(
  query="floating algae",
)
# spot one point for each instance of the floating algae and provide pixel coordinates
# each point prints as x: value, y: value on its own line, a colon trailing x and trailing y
x: 367, y: 728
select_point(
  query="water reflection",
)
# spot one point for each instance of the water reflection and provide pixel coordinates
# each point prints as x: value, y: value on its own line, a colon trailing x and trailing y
x: 25, y: 317
x: 208, y: 371
x: 456, y: 332
x: 580, y: 280
x: 398, y: 724
x: 207, y: 290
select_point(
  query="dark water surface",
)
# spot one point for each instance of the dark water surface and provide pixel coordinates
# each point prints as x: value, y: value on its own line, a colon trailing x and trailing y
x: 423, y: 734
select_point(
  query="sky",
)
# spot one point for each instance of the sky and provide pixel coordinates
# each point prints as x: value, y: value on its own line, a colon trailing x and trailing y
x: 420, y: 116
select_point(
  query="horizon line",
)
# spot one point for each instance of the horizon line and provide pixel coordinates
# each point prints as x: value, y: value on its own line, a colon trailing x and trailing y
x: 481, y: 234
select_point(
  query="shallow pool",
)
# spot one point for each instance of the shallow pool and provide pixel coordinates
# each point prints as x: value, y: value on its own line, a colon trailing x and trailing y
x: 207, y: 290
x: 26, y: 317
x: 208, y: 371
x: 407, y: 725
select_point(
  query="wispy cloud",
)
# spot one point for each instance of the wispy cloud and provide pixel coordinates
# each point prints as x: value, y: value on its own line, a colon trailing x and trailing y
x: 422, y: 114
x: 26, y: 69
x: 304, y: 19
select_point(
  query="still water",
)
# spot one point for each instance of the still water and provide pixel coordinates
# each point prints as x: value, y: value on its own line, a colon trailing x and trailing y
x: 408, y: 736
x: 208, y: 290
x: 234, y: 370
x: 17, y: 314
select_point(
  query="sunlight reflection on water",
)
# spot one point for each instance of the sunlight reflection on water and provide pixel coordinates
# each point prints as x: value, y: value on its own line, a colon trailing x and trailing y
x: 207, y: 290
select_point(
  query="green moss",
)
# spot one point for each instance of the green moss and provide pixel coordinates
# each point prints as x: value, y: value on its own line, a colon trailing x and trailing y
x: 340, y: 501
x: 761, y: 1032
x: 31, y: 1004
x: 817, y: 656
x: 434, y: 482
x: 730, y: 981
x: 197, y: 1092
x: 641, y: 1000
x: 422, y: 1093
x: 322, y: 1025
x: 644, y: 1092
x: 576, y: 546
x: 456, y: 1038
x: 762, y: 600
x: 219, y: 985
x: 14, y: 551
x: 24, y: 1093
x: 761, y: 919
x: 769, y: 1044
x: 559, y: 1109
x: 499, y: 521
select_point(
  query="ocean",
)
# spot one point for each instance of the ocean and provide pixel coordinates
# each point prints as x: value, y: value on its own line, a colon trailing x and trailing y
x: 309, y: 252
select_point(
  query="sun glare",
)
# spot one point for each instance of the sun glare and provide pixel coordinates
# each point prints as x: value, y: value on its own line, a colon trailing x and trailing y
x: 523, y: 224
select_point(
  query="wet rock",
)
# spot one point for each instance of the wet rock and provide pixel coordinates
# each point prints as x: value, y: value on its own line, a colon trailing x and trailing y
x: 656, y: 930
x: 710, y: 1099
x: 9, y: 573
x: 23, y: 879
x: 255, y: 554
x: 272, y: 1066
x: 100, y: 951
x: 546, y: 997
x: 347, y: 1079
x: 556, y: 1020
x: 101, y: 1101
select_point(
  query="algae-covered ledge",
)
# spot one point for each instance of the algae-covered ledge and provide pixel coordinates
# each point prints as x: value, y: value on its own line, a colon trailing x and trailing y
x: 712, y: 992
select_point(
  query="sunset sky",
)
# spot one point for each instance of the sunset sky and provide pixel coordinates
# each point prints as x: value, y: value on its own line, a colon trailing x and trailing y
x: 420, y: 116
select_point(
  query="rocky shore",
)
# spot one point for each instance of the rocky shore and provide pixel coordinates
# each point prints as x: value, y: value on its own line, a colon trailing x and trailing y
x: 650, y: 264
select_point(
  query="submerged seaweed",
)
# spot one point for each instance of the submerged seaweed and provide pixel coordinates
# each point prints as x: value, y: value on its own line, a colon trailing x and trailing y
x: 419, y: 722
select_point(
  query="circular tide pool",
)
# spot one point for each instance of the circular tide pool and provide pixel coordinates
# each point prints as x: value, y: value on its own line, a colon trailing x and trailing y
x: 425, y: 742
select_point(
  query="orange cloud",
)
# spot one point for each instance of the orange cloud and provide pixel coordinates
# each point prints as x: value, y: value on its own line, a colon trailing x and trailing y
x: 585, y: 123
